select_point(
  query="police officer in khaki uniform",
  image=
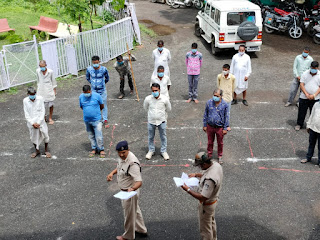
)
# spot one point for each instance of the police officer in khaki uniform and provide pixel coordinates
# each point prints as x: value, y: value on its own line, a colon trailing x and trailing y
x: 129, y: 179
x: 210, y: 185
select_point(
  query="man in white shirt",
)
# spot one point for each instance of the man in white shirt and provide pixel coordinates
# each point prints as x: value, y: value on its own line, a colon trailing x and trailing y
x: 241, y: 69
x: 310, y: 89
x: 34, y: 112
x: 161, y: 57
x: 313, y: 128
x: 157, y: 106
x: 163, y: 80
x: 46, y: 86
x: 301, y: 64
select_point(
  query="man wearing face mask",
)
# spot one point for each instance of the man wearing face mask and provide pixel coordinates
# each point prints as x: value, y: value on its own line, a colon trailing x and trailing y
x: 91, y: 103
x: 301, y: 64
x: 163, y: 81
x: 47, y: 86
x: 34, y: 112
x: 194, y: 63
x: 129, y: 179
x: 123, y: 68
x: 161, y: 57
x: 227, y: 83
x: 98, y: 76
x: 241, y: 69
x: 157, y: 106
x: 310, y: 89
x: 216, y: 122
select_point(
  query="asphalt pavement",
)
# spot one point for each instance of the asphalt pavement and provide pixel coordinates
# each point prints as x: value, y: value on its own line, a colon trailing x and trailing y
x: 266, y: 194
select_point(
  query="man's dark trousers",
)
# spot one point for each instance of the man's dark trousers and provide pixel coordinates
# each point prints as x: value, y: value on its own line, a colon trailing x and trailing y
x: 304, y: 104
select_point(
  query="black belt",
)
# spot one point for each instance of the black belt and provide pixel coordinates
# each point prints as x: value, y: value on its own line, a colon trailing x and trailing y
x: 125, y: 190
x: 215, y: 126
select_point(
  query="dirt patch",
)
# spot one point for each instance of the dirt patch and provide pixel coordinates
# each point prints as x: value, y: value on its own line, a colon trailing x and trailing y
x: 159, y: 29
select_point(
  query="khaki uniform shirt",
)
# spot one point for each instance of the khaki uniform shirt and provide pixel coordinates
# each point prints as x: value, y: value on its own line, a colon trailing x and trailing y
x: 126, y: 178
x: 210, y: 183
x: 227, y: 85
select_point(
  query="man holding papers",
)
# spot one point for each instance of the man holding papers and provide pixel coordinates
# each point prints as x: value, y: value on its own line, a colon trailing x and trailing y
x: 129, y: 179
x: 210, y: 185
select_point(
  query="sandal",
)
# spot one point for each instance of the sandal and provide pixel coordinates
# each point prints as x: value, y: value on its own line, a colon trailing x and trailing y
x: 102, y: 154
x: 92, y: 153
x: 48, y: 155
x: 304, y: 161
x: 106, y: 125
x: 33, y: 155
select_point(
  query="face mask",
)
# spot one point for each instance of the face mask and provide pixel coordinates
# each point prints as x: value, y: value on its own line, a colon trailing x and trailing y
x: 32, y: 97
x: 87, y: 95
x: 121, y: 63
x: 95, y: 65
x: 216, y: 99
x: 194, y: 50
x: 160, y: 48
x: 304, y: 54
x: 160, y: 74
x: 313, y: 71
x: 225, y: 72
x: 43, y: 69
x: 155, y: 94
x: 241, y: 53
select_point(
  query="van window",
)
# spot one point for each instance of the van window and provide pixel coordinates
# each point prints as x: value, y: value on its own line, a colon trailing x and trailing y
x: 207, y: 9
x: 217, y: 17
x: 212, y: 12
x: 236, y: 18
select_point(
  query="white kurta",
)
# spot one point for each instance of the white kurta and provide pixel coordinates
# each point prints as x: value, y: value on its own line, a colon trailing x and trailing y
x: 164, y: 83
x: 34, y: 113
x: 46, y: 84
x: 161, y: 59
x: 241, y: 68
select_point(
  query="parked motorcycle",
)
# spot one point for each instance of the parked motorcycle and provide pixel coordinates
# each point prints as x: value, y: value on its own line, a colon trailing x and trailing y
x: 313, y: 21
x: 198, y: 4
x: 316, y: 36
x: 283, y: 21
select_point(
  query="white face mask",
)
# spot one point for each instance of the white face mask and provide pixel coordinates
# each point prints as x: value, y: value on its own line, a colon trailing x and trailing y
x: 225, y: 72
x: 241, y: 53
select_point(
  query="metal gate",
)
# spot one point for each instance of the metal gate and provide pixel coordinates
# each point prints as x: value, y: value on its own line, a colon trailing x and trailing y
x: 21, y: 61
x: 4, y: 83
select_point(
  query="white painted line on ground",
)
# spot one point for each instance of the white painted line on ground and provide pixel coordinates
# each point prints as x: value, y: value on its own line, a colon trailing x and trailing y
x: 271, y: 159
x: 271, y: 128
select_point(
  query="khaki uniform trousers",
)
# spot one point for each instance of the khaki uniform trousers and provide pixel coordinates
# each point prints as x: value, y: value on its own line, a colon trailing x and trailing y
x: 133, y: 220
x: 207, y: 222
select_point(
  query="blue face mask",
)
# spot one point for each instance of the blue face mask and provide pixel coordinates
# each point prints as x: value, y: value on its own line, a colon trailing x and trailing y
x: 155, y: 94
x: 313, y: 71
x: 194, y: 50
x: 160, y: 48
x: 120, y: 63
x: 216, y: 99
x: 304, y: 54
x: 87, y: 95
x: 96, y: 65
x: 160, y: 74
x: 32, y: 97
x: 43, y: 69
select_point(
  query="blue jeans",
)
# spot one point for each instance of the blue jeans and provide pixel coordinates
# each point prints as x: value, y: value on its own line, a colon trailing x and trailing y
x: 94, y: 130
x: 105, y: 109
x: 163, y: 136
x: 193, y: 86
x: 293, y: 90
x: 229, y: 104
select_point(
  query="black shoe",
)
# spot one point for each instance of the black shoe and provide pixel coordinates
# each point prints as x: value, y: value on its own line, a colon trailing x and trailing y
x: 245, y: 102
x: 141, y: 235
x: 234, y: 101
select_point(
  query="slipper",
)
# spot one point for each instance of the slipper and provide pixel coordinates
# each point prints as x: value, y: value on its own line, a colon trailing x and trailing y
x: 102, y: 154
x: 48, y: 155
x: 304, y: 161
x: 51, y: 122
x: 92, y: 153
x: 106, y: 125
x: 33, y: 155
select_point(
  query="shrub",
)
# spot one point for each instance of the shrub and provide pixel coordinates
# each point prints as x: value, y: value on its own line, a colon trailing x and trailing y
x: 108, y: 17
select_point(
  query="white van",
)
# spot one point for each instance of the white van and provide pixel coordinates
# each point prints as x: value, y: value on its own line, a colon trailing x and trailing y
x: 229, y: 24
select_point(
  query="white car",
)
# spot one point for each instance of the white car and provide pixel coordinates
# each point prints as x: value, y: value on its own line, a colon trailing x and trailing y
x: 229, y: 24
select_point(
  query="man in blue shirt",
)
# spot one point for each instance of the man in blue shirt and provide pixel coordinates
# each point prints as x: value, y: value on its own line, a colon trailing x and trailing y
x: 98, y: 76
x: 91, y: 103
x: 216, y: 122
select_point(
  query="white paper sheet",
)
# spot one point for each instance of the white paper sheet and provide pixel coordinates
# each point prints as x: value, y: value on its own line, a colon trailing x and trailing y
x: 190, y: 182
x: 125, y: 195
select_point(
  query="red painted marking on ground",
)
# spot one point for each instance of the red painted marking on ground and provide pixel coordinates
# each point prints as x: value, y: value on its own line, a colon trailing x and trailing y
x: 294, y: 150
x: 288, y: 170
x: 164, y: 165
x: 249, y: 144
x: 111, y: 142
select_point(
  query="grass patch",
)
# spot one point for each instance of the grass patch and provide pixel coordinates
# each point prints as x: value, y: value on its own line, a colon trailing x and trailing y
x: 12, y: 91
x: 144, y: 29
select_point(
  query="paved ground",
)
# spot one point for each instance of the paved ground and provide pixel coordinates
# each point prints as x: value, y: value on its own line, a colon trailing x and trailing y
x: 267, y: 193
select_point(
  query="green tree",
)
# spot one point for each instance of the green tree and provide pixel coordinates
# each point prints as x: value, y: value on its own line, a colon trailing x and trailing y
x: 77, y: 10
x: 118, y: 4
x: 92, y: 6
